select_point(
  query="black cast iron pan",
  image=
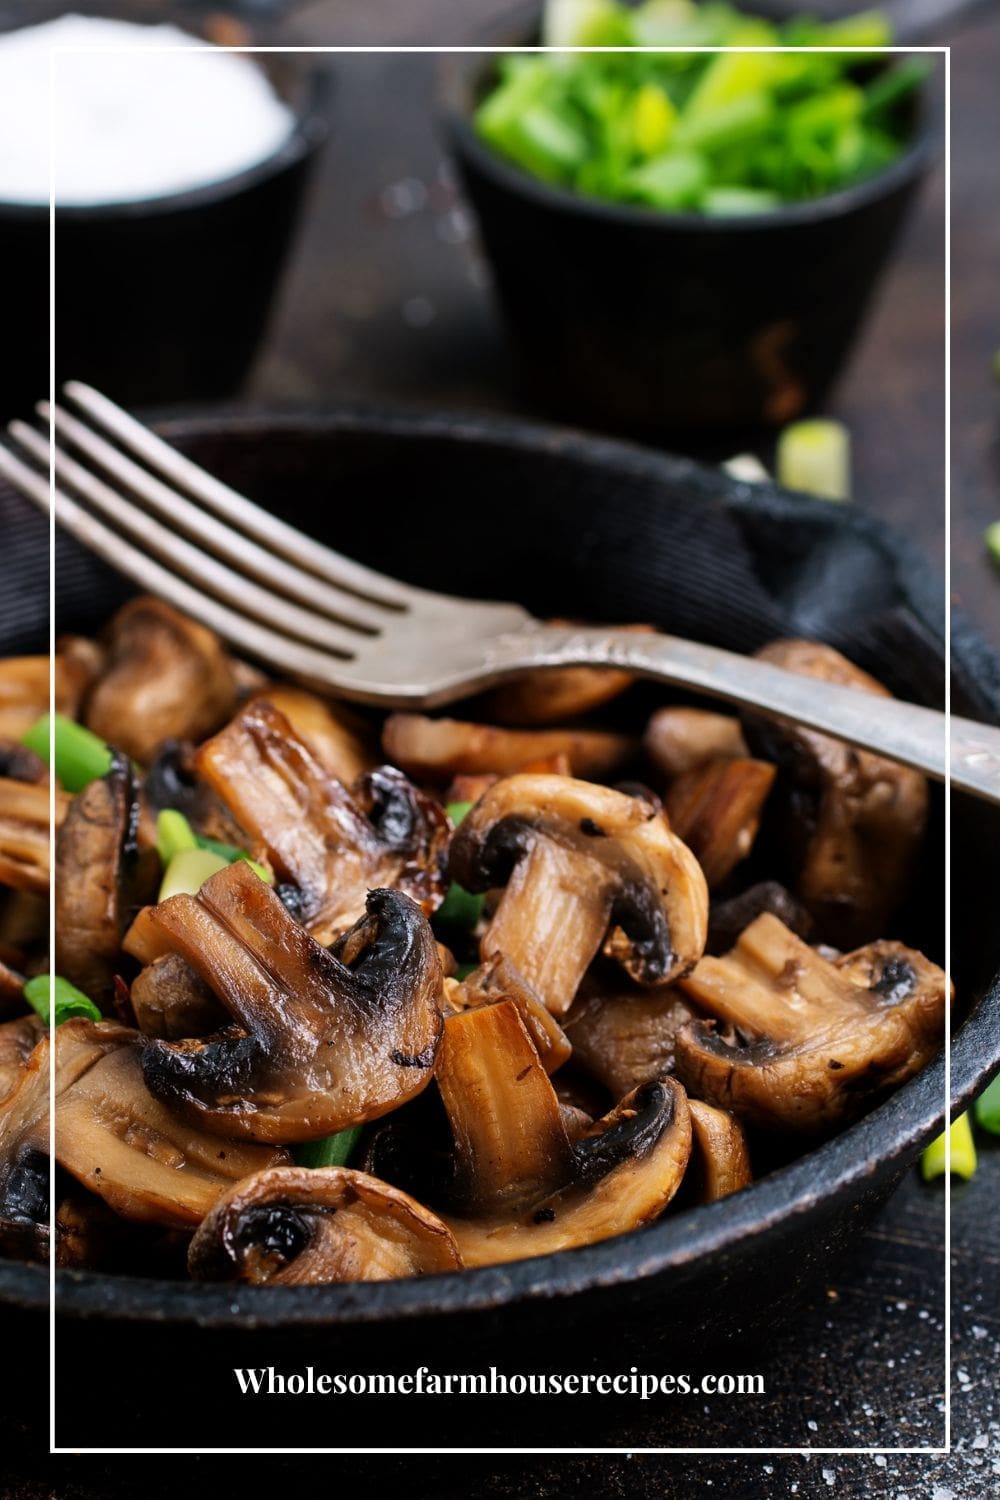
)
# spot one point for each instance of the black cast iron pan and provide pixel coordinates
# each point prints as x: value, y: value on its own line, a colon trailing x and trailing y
x: 569, y: 525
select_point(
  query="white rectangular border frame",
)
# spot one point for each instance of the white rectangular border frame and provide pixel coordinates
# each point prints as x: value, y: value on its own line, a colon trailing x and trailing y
x: 708, y: 1452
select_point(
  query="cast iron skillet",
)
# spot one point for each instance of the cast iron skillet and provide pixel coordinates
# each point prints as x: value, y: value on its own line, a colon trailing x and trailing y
x: 567, y: 524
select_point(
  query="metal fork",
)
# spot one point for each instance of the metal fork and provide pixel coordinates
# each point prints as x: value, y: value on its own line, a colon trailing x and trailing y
x: 311, y: 614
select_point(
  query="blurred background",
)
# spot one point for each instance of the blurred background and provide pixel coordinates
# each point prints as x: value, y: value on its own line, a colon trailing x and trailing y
x: 359, y: 276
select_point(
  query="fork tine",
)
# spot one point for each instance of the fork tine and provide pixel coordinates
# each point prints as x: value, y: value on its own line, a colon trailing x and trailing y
x: 230, y: 545
x: 200, y: 567
x: 290, y: 657
x: 321, y: 561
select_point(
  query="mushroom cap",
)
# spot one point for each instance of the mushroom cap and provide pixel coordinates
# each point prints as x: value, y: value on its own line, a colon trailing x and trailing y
x: 298, y: 1225
x: 802, y: 1044
x: 628, y: 1167
x: 324, y: 1039
x: 849, y: 822
x: 659, y: 900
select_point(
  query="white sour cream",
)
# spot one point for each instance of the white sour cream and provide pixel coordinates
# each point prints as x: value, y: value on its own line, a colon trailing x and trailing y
x: 129, y: 125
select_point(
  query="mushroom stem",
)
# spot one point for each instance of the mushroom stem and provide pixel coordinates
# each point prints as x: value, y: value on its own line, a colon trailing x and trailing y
x: 552, y: 920
x: 511, y: 1145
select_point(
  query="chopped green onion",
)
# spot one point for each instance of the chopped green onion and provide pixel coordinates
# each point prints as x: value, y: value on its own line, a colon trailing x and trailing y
x: 231, y: 854
x: 815, y: 457
x: 934, y: 1163
x: 987, y: 1107
x: 45, y: 989
x: 80, y: 757
x: 991, y: 536
x: 457, y: 811
x: 188, y: 870
x: 173, y: 833
x: 460, y: 908
x: 331, y: 1151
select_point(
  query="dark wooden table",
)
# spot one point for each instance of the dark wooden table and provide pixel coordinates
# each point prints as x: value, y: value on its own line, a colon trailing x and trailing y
x: 387, y: 300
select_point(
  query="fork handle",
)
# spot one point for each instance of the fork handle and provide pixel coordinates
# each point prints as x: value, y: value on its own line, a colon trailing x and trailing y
x: 904, y: 732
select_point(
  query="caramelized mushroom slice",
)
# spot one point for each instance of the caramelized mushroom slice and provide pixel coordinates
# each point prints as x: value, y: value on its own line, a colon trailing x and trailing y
x: 299, y: 1225
x: 24, y: 833
x: 339, y: 739
x: 626, y: 1037
x: 800, y: 1043
x: 436, y: 750
x: 324, y: 1039
x: 102, y: 877
x: 24, y: 691
x: 510, y: 1143
x: 328, y: 844
x: 167, y: 677
x: 562, y: 693
x: 627, y: 1169
x: 498, y: 979
x: 716, y: 810
x: 578, y: 859
x: 852, y: 821
x: 21, y: 764
x: 720, y: 1160
x: 18, y: 1039
x: 24, y: 1130
x: 141, y: 1158
x: 169, y: 1000
x: 727, y: 919
x: 683, y: 739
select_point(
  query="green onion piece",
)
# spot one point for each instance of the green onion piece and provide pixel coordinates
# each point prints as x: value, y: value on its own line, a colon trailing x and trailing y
x: 69, y: 1001
x: 933, y: 1161
x: 80, y: 757
x: 457, y: 811
x: 895, y: 84
x: 987, y: 1107
x: 464, y: 970
x: 815, y: 457
x: 991, y: 536
x: 721, y: 202
x: 460, y: 908
x: 173, y: 833
x: 331, y: 1151
x: 188, y: 870
x: 231, y: 854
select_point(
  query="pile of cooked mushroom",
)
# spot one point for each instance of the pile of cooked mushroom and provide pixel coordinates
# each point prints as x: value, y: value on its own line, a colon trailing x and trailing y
x: 340, y: 1000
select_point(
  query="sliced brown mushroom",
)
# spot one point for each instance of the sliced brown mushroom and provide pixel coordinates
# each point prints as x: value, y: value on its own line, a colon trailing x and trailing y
x: 11, y: 982
x: 510, y: 1143
x: 24, y: 833
x: 716, y: 810
x: 332, y: 846
x: 167, y: 677
x: 18, y: 1039
x: 102, y: 877
x: 138, y: 1156
x: 851, y: 821
x: 324, y: 1038
x: 727, y: 919
x: 169, y: 1000
x: 798, y: 1042
x: 300, y: 1225
x: 720, y: 1160
x: 554, y: 696
x: 24, y: 691
x: 498, y: 979
x: 436, y: 750
x: 682, y: 739
x: 577, y: 860
x: 21, y: 764
x: 627, y: 1169
x: 626, y: 1036
x: 340, y: 740
x: 24, y: 1131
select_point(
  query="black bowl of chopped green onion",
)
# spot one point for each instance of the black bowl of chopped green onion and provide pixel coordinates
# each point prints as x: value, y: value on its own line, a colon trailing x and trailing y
x: 688, y: 239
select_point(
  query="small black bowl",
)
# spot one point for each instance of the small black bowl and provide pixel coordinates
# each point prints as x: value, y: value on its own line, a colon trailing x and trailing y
x: 163, y: 298
x: 569, y: 525
x: 650, y: 323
